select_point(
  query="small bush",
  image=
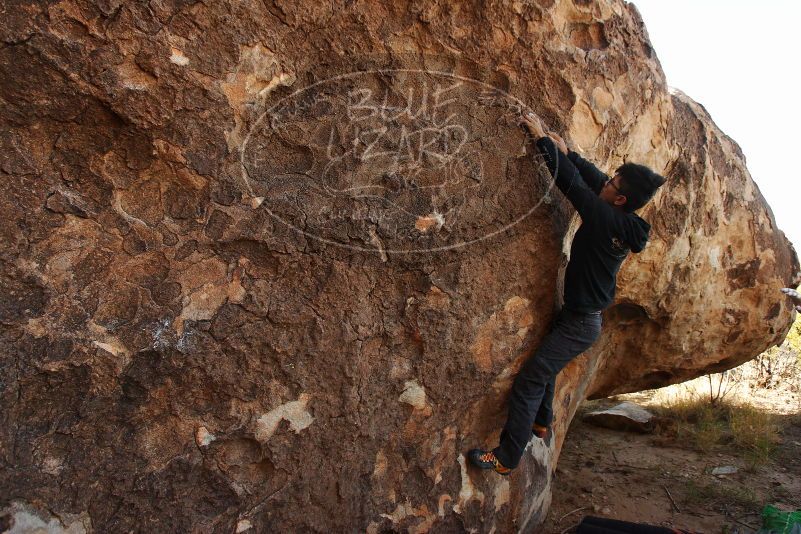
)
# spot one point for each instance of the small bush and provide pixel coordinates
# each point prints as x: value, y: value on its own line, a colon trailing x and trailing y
x: 781, y: 364
x: 793, y: 339
x: 707, y: 426
x: 699, y: 424
x: 754, y: 432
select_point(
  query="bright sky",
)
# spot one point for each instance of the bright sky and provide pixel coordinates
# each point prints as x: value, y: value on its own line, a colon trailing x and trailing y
x: 740, y: 59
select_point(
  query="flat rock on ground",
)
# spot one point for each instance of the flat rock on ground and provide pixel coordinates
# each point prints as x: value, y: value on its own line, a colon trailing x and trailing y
x: 624, y: 416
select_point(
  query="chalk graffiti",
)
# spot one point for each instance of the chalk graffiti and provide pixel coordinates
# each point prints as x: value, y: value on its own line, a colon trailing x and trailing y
x: 391, y: 160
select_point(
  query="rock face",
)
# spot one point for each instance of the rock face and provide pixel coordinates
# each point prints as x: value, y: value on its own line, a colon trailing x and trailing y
x: 272, y: 266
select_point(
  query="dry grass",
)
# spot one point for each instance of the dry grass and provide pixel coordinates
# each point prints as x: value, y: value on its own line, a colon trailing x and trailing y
x: 708, y: 426
x: 715, y: 493
x: 755, y: 432
x: 738, y: 410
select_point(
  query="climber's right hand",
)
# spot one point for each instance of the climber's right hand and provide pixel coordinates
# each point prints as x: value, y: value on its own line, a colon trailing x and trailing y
x: 560, y: 143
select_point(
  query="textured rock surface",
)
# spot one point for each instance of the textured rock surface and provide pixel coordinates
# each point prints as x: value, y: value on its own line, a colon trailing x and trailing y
x: 241, y: 290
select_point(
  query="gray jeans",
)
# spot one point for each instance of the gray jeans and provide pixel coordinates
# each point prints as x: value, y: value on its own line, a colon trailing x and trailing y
x: 532, y: 392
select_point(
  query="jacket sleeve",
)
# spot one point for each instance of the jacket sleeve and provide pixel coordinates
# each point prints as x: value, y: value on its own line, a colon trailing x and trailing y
x: 591, y: 175
x: 570, y: 182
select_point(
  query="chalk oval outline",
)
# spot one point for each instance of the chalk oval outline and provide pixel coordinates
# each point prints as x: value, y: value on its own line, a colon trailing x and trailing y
x: 259, y: 120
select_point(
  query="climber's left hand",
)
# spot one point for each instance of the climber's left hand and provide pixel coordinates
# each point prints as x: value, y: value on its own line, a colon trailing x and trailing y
x: 533, y: 125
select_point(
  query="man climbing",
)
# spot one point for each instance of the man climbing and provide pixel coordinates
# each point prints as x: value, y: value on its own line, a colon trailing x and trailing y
x: 609, y: 230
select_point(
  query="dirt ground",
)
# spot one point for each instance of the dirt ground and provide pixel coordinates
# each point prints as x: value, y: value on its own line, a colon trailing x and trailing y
x: 662, y: 480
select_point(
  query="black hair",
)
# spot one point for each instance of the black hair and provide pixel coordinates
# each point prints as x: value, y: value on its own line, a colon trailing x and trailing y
x: 638, y: 184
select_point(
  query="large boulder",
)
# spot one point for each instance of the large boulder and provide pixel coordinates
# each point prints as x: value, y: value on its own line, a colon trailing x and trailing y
x: 272, y: 266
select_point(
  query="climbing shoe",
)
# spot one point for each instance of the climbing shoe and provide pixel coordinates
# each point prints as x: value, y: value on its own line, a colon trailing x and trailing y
x: 487, y: 460
x: 539, y: 431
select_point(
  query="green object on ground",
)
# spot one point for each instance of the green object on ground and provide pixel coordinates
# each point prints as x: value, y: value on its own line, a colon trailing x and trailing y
x: 774, y: 520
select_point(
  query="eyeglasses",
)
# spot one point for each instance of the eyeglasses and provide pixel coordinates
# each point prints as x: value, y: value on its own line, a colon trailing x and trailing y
x: 610, y: 182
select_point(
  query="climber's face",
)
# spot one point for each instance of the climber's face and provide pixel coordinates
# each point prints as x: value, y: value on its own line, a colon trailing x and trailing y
x: 610, y: 192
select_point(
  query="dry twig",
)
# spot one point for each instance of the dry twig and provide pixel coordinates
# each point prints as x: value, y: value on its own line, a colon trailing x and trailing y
x: 752, y: 527
x: 571, y: 513
x: 671, y: 499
